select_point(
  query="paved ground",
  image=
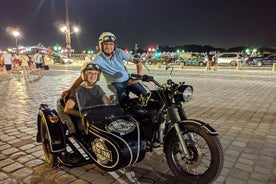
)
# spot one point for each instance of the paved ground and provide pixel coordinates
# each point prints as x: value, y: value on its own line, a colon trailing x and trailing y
x: 240, y: 105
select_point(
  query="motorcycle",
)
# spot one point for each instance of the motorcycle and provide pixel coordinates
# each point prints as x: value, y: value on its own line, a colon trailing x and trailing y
x: 114, y: 137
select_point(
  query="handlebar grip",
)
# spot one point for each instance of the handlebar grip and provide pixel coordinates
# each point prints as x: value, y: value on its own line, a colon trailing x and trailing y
x: 140, y: 77
x: 145, y: 78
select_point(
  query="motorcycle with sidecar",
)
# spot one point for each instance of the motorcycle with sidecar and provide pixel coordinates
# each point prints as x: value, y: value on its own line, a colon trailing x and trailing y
x: 114, y: 137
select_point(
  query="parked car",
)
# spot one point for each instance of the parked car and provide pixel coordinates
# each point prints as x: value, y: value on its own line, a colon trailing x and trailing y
x: 195, y: 61
x: 163, y: 60
x: 57, y: 58
x: 269, y: 60
x: 229, y: 58
x: 254, y: 59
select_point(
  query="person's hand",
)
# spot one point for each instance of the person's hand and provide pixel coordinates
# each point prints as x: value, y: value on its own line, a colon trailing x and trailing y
x: 132, y: 81
x: 65, y: 93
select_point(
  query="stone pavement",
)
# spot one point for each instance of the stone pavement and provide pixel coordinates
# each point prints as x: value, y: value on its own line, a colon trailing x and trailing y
x: 240, y: 105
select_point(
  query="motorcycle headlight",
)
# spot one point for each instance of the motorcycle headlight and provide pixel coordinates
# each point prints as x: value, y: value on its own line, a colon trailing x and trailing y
x: 188, y: 93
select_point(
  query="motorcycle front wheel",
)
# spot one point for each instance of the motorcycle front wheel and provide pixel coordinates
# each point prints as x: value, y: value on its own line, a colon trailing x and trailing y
x: 50, y: 158
x: 206, y: 152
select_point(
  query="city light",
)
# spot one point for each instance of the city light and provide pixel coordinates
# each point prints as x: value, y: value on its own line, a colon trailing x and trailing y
x: 67, y: 30
x: 16, y: 34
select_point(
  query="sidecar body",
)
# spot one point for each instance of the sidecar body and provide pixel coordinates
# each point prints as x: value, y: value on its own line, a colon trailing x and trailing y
x: 110, y: 138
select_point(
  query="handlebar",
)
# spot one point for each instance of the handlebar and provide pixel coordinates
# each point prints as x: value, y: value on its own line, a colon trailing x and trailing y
x: 145, y: 78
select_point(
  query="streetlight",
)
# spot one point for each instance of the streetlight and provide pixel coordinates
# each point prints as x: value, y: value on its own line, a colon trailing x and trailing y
x: 16, y: 34
x: 68, y: 33
x: 66, y: 29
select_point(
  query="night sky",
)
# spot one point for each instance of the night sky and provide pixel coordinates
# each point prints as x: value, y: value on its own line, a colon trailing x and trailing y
x: 218, y: 23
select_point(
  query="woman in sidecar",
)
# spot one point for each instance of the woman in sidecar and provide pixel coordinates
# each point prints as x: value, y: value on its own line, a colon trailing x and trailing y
x: 104, y: 132
x: 87, y: 94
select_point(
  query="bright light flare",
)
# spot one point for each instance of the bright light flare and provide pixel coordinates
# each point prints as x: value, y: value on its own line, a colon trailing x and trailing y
x: 63, y: 29
x: 15, y: 33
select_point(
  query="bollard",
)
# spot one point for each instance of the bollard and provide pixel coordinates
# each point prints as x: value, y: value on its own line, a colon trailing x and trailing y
x: 181, y: 65
x: 238, y: 66
x: 158, y: 65
x: 215, y: 66
x: 208, y: 65
x: 274, y: 67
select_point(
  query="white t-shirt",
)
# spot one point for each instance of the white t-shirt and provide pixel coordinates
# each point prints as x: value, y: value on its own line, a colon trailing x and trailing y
x: 38, y: 58
x: 7, y: 58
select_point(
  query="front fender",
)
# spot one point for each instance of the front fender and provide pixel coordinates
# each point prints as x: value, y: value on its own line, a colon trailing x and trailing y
x: 53, y: 125
x: 204, y: 126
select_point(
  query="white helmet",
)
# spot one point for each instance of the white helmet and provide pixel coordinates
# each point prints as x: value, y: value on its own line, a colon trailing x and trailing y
x: 107, y: 37
x: 89, y: 66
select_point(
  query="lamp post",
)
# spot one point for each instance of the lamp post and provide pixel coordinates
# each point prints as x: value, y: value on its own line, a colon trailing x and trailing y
x: 16, y: 34
x: 66, y: 29
x: 68, y: 32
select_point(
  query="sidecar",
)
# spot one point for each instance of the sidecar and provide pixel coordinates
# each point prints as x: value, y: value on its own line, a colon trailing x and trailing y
x: 108, y: 137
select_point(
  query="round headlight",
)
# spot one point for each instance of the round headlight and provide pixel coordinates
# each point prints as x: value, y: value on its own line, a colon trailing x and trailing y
x: 188, y: 93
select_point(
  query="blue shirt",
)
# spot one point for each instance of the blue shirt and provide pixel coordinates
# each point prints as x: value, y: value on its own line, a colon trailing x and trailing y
x: 114, y: 69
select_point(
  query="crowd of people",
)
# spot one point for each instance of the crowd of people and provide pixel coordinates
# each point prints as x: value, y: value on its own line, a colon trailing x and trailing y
x: 22, y: 64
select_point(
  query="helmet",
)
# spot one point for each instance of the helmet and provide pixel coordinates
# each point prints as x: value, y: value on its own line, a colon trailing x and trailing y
x: 89, y: 66
x: 107, y: 37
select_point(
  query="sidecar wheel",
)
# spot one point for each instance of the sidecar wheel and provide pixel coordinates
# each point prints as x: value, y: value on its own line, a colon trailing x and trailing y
x: 50, y: 158
x: 206, y: 152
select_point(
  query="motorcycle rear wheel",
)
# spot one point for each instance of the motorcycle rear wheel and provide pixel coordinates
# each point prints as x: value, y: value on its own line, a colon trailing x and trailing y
x: 206, y: 151
x: 50, y: 158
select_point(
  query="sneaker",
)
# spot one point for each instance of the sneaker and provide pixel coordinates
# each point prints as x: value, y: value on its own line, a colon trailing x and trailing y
x: 156, y: 144
x: 71, y: 158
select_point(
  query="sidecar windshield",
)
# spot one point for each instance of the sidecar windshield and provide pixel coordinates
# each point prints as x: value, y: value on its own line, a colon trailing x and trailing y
x: 101, y: 112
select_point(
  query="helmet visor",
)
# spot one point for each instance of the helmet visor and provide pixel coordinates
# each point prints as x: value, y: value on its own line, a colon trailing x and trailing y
x: 109, y: 39
x: 92, y: 66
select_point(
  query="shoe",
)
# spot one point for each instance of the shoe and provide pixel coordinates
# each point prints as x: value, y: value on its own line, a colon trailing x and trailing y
x: 156, y: 144
x: 71, y: 158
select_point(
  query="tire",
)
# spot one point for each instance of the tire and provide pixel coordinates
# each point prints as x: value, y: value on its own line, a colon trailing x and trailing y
x: 201, y: 63
x: 259, y: 63
x: 207, y: 156
x: 250, y: 62
x: 150, y: 62
x: 50, y: 158
x: 233, y: 63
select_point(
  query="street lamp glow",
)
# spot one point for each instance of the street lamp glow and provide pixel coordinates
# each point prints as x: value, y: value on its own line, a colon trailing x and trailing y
x: 15, y: 33
x: 66, y: 30
x: 63, y: 29
x: 76, y: 29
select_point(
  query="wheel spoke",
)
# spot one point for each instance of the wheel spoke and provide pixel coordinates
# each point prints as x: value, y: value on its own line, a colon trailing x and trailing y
x: 201, y: 156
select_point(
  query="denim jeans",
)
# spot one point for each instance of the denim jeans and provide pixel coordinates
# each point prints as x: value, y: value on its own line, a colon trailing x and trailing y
x: 121, y: 89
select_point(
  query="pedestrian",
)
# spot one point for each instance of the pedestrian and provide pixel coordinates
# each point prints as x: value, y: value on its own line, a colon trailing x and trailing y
x: 111, y: 61
x: 38, y: 62
x: 209, y: 61
x: 7, y: 58
x: 16, y: 62
x: 215, y: 61
x: 30, y: 62
x: 24, y: 59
